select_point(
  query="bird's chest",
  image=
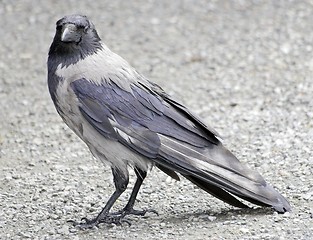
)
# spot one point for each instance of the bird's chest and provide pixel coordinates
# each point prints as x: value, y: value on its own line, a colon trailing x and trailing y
x: 68, y: 107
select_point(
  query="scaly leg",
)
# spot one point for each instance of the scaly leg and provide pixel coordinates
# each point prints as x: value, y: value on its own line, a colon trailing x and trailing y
x: 118, y: 218
x: 121, y: 182
x: 128, y: 209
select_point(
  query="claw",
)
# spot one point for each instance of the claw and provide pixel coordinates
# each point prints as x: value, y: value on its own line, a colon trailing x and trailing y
x: 138, y: 212
x: 117, y: 218
x: 128, y: 222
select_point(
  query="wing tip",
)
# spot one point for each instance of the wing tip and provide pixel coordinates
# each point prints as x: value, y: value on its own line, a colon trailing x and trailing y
x: 282, y: 205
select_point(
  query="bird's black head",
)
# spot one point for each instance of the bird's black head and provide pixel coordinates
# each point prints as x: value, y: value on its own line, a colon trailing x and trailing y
x: 75, y: 38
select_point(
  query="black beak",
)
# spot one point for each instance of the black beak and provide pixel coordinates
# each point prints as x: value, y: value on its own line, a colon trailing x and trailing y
x: 70, y: 33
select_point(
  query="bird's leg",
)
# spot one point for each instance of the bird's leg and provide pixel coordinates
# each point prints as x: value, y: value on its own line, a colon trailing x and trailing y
x: 121, y: 182
x: 129, y: 208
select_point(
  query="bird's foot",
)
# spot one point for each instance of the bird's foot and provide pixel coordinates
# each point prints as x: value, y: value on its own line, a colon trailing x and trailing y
x: 130, y: 211
x: 116, y: 218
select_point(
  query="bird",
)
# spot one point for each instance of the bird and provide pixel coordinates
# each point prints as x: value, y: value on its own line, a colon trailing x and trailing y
x: 130, y: 123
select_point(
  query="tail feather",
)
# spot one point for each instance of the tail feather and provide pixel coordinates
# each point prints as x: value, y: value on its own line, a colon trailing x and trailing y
x: 216, y: 192
x: 220, y: 173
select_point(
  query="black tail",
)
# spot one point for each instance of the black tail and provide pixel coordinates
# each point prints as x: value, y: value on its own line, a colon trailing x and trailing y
x: 217, y: 171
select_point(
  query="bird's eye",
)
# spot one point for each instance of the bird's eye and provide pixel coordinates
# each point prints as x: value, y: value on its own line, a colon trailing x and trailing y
x: 82, y: 27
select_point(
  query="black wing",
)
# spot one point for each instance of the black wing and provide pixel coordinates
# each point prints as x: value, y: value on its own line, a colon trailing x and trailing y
x: 149, y: 122
x: 107, y: 103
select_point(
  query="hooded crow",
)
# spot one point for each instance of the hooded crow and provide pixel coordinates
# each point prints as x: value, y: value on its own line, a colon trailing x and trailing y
x: 128, y: 121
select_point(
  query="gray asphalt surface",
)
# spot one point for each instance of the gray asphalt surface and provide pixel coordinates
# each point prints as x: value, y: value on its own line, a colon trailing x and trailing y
x: 244, y: 66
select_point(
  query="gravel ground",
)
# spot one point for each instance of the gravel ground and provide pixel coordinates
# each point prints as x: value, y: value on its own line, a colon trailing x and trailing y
x: 244, y: 66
